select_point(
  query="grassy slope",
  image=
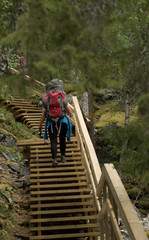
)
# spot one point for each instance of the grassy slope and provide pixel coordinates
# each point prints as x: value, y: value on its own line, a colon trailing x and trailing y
x: 112, y: 113
x: 11, y: 219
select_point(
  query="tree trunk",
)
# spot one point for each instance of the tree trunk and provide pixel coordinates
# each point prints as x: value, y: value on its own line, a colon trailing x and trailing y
x: 4, y: 60
x: 127, y: 118
x: 127, y: 107
x: 91, y: 113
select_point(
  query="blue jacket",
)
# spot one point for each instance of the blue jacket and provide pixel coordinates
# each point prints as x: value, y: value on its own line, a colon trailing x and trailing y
x: 65, y: 120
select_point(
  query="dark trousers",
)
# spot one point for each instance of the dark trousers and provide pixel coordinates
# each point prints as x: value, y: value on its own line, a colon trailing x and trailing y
x: 53, y: 132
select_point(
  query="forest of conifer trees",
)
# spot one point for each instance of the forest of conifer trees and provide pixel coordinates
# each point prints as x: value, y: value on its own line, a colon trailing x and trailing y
x: 103, y: 43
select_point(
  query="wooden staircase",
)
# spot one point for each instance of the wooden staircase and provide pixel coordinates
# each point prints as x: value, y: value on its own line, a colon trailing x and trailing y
x: 61, y: 197
x: 26, y: 112
x: 75, y: 200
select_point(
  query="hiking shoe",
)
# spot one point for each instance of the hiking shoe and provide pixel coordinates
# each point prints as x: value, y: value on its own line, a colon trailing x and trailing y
x: 54, y: 163
x: 63, y: 159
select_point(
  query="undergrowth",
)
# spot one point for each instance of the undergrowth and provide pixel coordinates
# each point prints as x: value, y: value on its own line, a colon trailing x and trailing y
x: 8, y: 123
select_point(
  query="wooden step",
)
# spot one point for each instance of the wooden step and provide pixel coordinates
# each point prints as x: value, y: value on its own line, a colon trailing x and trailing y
x: 65, y: 236
x: 28, y: 110
x: 64, y: 179
x: 15, y: 107
x: 74, y: 163
x: 64, y: 219
x: 39, y: 143
x: 64, y: 211
x: 62, y: 198
x: 61, y: 205
x: 55, y: 191
x: 45, y: 150
x: 49, y: 160
x: 42, y: 155
x: 60, y: 185
x: 76, y: 173
x: 79, y: 226
x: 63, y: 168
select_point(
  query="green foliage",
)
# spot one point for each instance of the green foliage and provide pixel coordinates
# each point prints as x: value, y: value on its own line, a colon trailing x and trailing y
x: 131, y: 145
x: 5, y: 219
x: 5, y: 94
x: 9, y: 12
x: 103, y: 43
x: 11, y: 152
x: 13, y: 61
x: 17, y: 85
x: 143, y: 103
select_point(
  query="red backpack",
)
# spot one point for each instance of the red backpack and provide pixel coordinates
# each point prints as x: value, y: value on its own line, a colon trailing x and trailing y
x: 55, y: 107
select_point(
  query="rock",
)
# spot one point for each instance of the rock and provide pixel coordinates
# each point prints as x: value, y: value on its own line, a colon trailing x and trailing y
x: 69, y: 97
x: 13, y: 176
x: 15, y: 168
x: 10, y: 170
x: 5, y: 52
x: 21, y: 236
x: 40, y: 104
x: 2, y: 135
x: 8, y: 141
x: 5, y: 155
x: 106, y: 95
x: 20, y: 184
x: 83, y: 99
x: 25, y: 224
x: 26, y: 171
x: 9, y: 200
x: 12, y: 159
x: 19, y: 194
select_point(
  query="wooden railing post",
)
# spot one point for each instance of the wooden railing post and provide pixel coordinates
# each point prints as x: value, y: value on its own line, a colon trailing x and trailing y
x: 120, y: 203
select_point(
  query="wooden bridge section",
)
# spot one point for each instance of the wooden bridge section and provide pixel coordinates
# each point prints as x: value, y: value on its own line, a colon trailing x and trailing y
x: 76, y: 200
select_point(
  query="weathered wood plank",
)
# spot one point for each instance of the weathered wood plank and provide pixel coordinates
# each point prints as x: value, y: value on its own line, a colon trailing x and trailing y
x: 62, y: 211
x: 64, y: 179
x: 87, y: 141
x: 64, y: 236
x: 77, y: 226
x: 55, y: 198
x: 57, y: 205
x: 124, y: 204
x: 64, y: 219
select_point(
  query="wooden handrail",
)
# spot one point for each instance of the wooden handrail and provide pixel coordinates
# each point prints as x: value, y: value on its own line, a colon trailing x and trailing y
x: 114, y: 188
x: 87, y: 165
x: 109, y: 193
x: 96, y: 171
x: 38, y: 83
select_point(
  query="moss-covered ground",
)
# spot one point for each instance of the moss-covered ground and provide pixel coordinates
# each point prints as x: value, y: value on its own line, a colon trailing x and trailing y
x: 112, y: 113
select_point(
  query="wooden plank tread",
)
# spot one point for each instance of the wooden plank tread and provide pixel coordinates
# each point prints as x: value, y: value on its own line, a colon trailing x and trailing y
x: 78, y: 226
x: 68, y: 179
x: 62, y: 168
x: 59, y: 191
x: 57, y: 174
x: 64, y: 219
x: 64, y: 236
x: 67, y: 204
x: 68, y: 185
x: 54, y: 198
x: 65, y: 211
